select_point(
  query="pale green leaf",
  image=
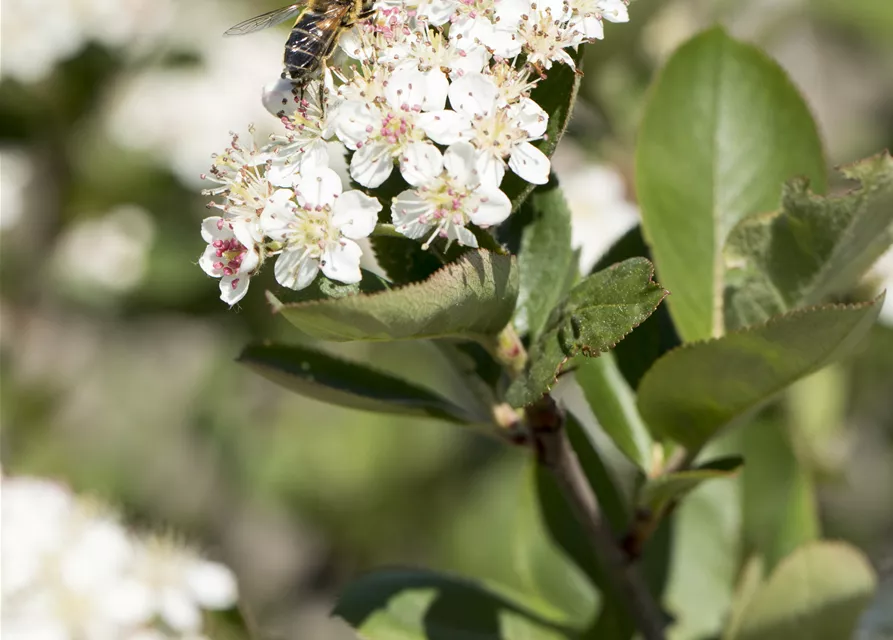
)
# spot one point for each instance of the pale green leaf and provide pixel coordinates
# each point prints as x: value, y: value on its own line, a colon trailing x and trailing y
x: 658, y: 493
x: 817, y: 592
x: 697, y: 389
x: 472, y: 297
x: 813, y: 246
x: 723, y: 129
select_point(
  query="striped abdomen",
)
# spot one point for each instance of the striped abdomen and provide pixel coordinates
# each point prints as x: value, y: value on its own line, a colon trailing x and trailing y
x: 312, y: 40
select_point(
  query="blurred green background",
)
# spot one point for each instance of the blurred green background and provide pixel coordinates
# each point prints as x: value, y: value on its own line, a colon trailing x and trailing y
x: 117, y: 357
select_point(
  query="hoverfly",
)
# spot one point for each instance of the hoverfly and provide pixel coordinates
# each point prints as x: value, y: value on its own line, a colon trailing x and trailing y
x: 313, y: 38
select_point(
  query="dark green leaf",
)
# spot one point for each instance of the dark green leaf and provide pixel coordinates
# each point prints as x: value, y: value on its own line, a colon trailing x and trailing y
x: 654, y: 337
x: 813, y: 246
x: 597, y: 313
x: 422, y: 605
x: 329, y: 379
x: 614, y: 405
x: 658, y: 493
x: 323, y: 288
x: 818, y: 592
x: 694, y: 391
x: 474, y: 296
x: 723, y: 129
x: 556, y: 95
x: 403, y: 259
x: 545, y: 257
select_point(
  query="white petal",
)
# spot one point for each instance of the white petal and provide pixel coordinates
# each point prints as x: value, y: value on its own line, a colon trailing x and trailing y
x: 421, y: 163
x: 474, y: 94
x: 284, y: 174
x: 371, y: 164
x: 530, y: 163
x: 318, y: 188
x: 295, y: 269
x: 244, y: 233
x: 208, y: 260
x: 615, y: 11
x: 356, y: 214
x: 435, y: 90
x: 216, y: 228
x: 354, y: 121
x: 213, y: 585
x: 278, y: 97
x: 179, y: 611
x: 445, y: 126
x: 341, y: 261
x: 406, y: 90
x: 234, y: 288
x: 591, y: 27
x: 494, y: 207
x: 316, y: 154
x: 490, y: 168
x: 405, y: 211
x: 462, y: 235
x: 459, y: 161
x: 473, y: 59
x: 278, y: 214
x: 438, y: 12
x: 530, y: 117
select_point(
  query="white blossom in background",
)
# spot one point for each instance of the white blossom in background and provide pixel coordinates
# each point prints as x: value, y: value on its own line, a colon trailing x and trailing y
x: 71, y: 570
x: 16, y: 173
x: 882, y: 272
x: 436, y: 89
x: 39, y: 34
x: 109, y: 252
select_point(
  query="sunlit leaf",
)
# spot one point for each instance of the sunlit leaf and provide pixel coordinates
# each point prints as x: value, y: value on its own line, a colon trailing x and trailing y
x: 723, y: 129
x: 697, y: 389
x: 474, y: 296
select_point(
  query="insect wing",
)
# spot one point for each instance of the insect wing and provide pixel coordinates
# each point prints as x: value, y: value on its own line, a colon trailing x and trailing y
x: 265, y: 20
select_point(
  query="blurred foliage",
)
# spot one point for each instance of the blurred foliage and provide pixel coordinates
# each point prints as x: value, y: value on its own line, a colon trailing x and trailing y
x: 132, y: 393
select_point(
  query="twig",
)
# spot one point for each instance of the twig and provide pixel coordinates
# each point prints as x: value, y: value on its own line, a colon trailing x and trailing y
x: 554, y: 451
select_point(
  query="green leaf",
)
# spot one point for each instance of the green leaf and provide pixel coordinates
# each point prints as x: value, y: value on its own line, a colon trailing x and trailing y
x: 658, y: 493
x: 415, y: 605
x: 694, y: 391
x: 472, y: 297
x: 723, y: 129
x: 818, y: 592
x: 323, y: 288
x: 614, y: 405
x: 597, y: 313
x: 403, y: 259
x: 813, y: 246
x: 774, y: 528
x: 749, y: 582
x: 545, y: 257
x: 654, y: 337
x: 556, y: 95
x: 329, y: 379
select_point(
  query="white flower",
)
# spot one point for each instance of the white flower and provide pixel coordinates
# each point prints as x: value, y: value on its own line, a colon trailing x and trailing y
x: 232, y: 255
x: 588, y: 15
x: 381, y: 133
x: 318, y: 231
x: 430, y: 52
x: 449, y: 195
x: 497, y: 132
x: 171, y: 582
x: 305, y: 114
x: 545, y: 31
x: 241, y: 173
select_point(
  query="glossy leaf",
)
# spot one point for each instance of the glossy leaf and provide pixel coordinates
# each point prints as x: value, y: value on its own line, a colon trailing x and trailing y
x: 813, y: 246
x: 422, y: 605
x: 613, y: 403
x: 324, y: 377
x: 545, y: 257
x: 660, y: 492
x: 597, y: 313
x: 694, y: 391
x: 474, y: 296
x: 723, y: 129
x: 817, y: 592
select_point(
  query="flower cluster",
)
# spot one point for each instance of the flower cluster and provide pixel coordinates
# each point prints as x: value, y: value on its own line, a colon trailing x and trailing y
x: 71, y: 570
x: 437, y: 92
